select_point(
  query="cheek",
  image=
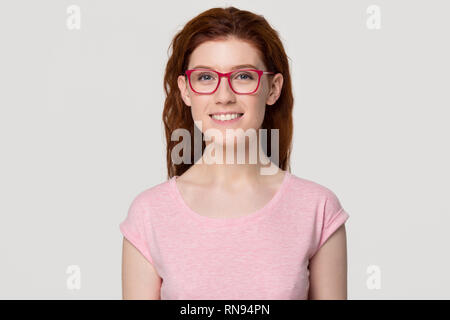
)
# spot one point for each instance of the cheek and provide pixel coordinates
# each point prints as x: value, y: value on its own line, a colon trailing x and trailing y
x: 198, y: 108
x: 255, y: 114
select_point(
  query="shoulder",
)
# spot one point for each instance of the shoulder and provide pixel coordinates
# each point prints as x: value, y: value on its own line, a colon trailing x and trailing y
x: 314, y: 197
x: 155, y: 195
x: 309, y: 189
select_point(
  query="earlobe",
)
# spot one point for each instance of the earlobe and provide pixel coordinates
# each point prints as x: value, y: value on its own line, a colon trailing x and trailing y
x: 272, y: 97
x: 187, y: 100
x: 184, y: 91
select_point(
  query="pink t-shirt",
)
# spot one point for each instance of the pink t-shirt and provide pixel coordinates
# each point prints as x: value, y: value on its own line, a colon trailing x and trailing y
x: 262, y: 255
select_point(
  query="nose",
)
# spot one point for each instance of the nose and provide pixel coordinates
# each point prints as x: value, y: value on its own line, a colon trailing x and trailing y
x: 224, y: 94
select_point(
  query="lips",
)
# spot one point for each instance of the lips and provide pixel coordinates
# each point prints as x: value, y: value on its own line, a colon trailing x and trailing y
x: 226, y: 112
x: 226, y: 117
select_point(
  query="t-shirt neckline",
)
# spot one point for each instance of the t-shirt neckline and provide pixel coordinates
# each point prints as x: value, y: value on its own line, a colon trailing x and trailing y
x: 229, y: 221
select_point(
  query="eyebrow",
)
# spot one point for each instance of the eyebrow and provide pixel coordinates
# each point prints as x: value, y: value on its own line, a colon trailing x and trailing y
x: 241, y: 66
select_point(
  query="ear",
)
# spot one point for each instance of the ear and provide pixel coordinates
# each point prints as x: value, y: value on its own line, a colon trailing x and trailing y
x: 275, y: 89
x: 184, y: 90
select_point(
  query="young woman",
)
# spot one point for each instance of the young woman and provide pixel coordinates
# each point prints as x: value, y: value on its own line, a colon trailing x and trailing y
x: 220, y: 229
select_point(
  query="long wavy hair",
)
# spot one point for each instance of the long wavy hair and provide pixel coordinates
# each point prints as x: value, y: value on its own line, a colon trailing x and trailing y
x: 217, y: 24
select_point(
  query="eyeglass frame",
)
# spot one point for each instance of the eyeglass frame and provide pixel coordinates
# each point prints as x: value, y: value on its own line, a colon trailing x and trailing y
x: 228, y: 76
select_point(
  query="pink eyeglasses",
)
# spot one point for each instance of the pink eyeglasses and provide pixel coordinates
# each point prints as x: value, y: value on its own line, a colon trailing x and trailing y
x: 241, y: 81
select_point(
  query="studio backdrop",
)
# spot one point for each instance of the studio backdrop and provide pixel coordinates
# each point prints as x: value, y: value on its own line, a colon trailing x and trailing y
x: 81, y: 134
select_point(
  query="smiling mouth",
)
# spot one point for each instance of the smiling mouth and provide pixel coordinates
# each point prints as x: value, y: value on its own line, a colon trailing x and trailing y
x: 226, y: 117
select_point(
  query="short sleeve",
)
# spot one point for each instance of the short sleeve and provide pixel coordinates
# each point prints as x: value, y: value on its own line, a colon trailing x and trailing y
x: 332, y: 217
x: 134, y: 228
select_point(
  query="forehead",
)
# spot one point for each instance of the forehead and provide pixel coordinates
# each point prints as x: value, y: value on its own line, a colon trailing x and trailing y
x: 222, y: 55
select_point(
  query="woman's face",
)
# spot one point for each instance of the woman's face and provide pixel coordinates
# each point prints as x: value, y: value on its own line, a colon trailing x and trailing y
x: 223, y: 56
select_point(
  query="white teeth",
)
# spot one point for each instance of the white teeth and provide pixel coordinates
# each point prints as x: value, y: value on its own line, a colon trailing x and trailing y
x: 223, y: 117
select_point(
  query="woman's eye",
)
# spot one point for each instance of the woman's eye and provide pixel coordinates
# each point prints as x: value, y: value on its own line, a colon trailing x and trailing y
x: 244, y: 76
x: 205, y: 77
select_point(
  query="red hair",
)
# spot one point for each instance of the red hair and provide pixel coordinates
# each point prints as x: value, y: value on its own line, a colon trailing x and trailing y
x: 217, y: 24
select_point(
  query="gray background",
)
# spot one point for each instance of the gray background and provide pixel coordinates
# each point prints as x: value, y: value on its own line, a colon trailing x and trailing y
x: 81, y: 134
